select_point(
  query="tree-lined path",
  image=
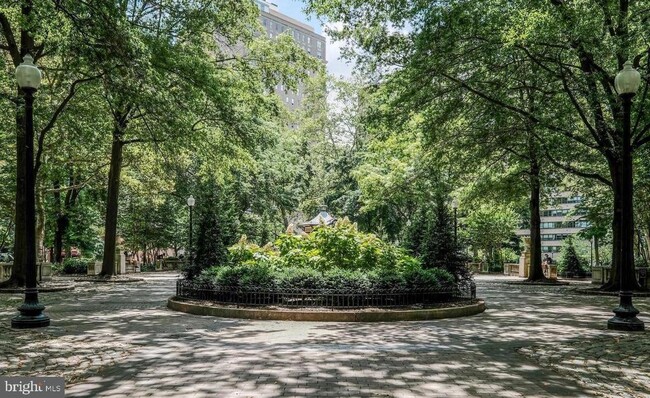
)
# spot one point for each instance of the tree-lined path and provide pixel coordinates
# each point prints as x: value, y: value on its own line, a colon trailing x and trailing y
x: 120, y: 340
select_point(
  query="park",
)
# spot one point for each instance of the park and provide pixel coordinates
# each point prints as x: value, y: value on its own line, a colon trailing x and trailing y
x: 308, y: 198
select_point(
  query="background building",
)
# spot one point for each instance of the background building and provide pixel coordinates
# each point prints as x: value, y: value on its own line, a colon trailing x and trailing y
x: 559, y: 221
x: 277, y: 23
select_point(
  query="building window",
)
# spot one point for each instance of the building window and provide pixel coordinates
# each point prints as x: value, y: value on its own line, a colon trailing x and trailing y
x: 555, y: 213
x: 286, y: 99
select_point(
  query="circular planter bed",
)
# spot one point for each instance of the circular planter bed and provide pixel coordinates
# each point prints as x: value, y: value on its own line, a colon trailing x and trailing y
x: 452, y: 309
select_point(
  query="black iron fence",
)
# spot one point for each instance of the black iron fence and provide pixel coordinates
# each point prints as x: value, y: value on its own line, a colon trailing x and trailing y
x: 328, y: 298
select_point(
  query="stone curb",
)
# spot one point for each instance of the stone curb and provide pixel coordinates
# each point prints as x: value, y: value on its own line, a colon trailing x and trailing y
x: 537, y: 283
x: 110, y: 280
x: 40, y: 289
x: 327, y: 316
x: 594, y: 292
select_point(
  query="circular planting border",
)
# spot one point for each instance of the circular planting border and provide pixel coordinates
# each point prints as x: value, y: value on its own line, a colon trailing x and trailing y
x: 380, y: 315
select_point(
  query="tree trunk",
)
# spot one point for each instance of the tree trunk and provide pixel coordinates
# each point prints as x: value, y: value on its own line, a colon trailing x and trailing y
x: 536, y: 271
x: 613, y: 284
x: 596, y: 252
x: 40, y: 227
x: 110, y: 234
x: 61, y: 220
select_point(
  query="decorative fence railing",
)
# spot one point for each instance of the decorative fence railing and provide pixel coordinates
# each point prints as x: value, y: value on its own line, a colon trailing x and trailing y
x: 327, y: 298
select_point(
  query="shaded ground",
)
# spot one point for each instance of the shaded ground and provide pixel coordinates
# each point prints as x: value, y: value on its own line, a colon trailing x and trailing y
x: 533, y: 341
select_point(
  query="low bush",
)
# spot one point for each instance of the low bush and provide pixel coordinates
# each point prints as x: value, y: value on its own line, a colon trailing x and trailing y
x: 72, y: 266
x: 299, y: 278
x: 287, y: 278
x: 148, y: 267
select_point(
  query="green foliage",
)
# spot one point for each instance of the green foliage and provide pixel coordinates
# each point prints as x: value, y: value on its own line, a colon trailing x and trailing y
x: 300, y: 278
x: 72, y: 266
x: 341, y: 246
x: 488, y: 229
x: 418, y: 278
x: 338, y: 257
x: 431, y: 239
x: 148, y: 267
x: 257, y: 276
x: 217, y: 229
x: 571, y: 264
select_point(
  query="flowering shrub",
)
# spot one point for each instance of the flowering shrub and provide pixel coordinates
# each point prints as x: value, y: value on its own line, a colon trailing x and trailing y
x: 339, y: 257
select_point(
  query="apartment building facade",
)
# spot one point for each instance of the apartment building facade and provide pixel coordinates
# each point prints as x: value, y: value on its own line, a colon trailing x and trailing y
x: 275, y: 23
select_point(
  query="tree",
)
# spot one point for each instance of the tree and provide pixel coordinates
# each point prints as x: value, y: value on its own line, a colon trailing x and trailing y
x: 576, y: 47
x: 48, y: 42
x: 571, y: 264
x: 218, y: 228
x: 488, y: 227
x: 168, y: 70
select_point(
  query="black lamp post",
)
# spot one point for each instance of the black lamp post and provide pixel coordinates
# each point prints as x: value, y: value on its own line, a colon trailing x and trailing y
x: 627, y: 83
x: 190, y: 204
x: 31, y: 311
x: 454, y: 205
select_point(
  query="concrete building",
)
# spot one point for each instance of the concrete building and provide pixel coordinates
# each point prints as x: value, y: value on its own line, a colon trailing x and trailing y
x: 277, y: 23
x: 558, y: 221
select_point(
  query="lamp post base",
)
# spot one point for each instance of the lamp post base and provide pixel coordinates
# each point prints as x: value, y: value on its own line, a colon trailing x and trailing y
x: 625, y: 318
x: 31, y: 317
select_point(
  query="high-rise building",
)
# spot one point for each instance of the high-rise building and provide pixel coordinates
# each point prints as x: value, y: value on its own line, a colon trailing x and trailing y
x: 559, y: 221
x: 277, y: 23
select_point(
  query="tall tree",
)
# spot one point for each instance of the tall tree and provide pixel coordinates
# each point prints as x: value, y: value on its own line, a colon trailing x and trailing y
x: 577, y: 48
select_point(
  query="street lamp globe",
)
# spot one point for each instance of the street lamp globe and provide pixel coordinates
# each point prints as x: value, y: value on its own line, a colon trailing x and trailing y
x: 190, y: 201
x: 454, y: 204
x: 628, y: 80
x: 28, y: 75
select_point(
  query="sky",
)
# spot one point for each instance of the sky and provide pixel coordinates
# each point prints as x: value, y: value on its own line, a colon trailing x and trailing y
x: 294, y: 9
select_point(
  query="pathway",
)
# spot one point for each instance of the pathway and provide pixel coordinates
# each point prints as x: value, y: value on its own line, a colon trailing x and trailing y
x: 119, y: 341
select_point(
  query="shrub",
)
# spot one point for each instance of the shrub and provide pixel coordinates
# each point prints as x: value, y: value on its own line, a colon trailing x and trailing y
x: 299, y: 278
x: 148, y: 267
x: 72, y: 266
x: 244, y: 276
x: 341, y: 246
x: 571, y: 264
x: 386, y: 279
x: 330, y: 258
x: 338, y: 278
x: 418, y: 278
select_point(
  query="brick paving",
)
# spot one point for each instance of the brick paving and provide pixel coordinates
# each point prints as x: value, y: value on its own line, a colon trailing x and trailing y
x: 533, y: 341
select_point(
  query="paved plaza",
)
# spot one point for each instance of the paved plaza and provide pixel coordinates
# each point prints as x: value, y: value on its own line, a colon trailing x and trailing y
x: 533, y: 341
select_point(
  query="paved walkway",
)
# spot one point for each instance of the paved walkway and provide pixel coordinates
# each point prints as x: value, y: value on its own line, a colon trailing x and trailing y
x: 121, y: 341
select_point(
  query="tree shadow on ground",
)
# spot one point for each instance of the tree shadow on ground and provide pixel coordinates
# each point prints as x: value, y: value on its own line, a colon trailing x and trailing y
x: 181, y: 355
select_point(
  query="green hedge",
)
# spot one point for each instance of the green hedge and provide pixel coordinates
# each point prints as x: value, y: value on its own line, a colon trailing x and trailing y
x: 265, y: 277
x: 72, y: 266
